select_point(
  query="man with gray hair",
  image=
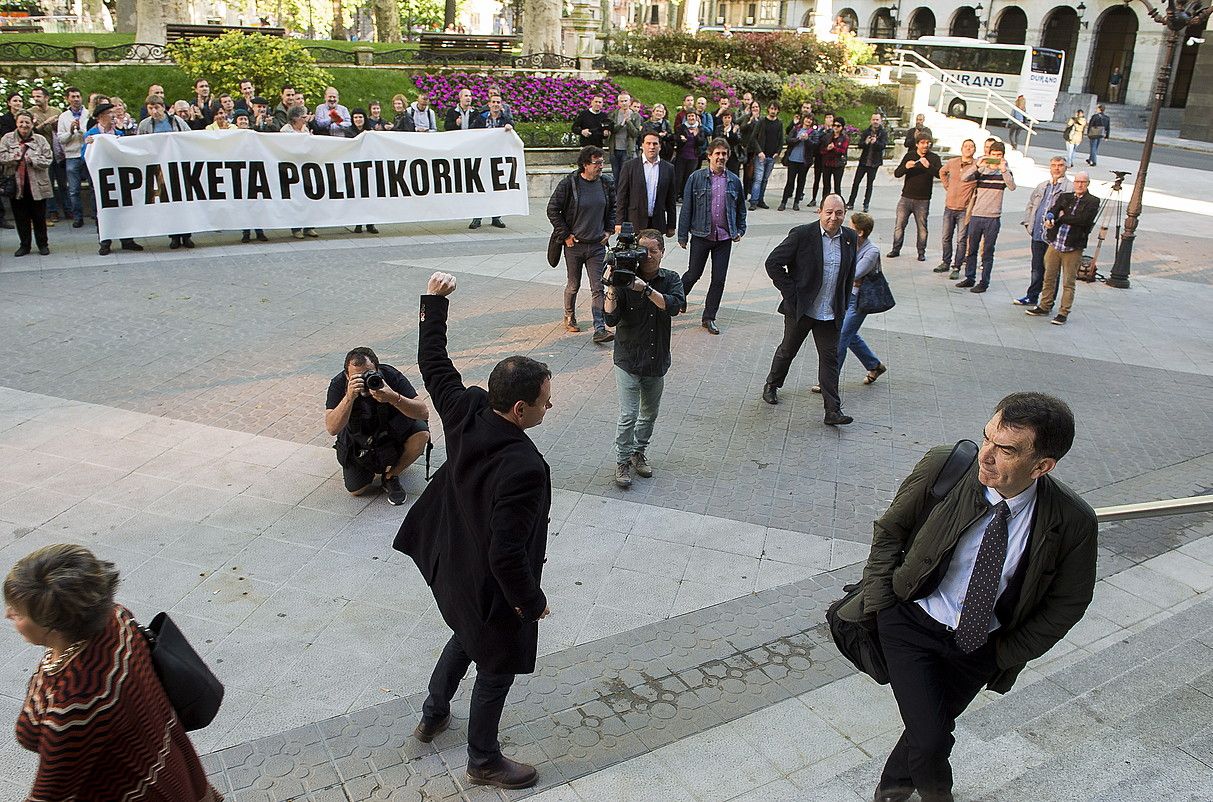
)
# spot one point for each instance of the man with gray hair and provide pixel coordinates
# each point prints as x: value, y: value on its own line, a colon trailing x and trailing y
x: 1068, y: 223
x: 1033, y: 220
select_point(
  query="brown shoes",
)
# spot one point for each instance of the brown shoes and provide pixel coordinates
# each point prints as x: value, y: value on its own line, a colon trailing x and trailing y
x: 570, y: 324
x: 505, y: 773
x: 428, y: 730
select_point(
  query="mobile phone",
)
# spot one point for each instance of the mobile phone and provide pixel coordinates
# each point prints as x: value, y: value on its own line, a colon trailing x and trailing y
x: 992, y: 160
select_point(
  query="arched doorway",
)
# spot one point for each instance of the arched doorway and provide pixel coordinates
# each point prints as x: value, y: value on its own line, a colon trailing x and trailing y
x: 1012, y: 27
x: 807, y: 20
x: 965, y: 22
x: 1115, y: 36
x: 883, y: 26
x: 922, y: 23
x: 846, y: 21
x: 1060, y: 32
x: 1185, y: 65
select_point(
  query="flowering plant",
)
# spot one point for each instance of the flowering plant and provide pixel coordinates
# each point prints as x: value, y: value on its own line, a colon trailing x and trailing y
x: 530, y: 97
x: 55, y: 87
x: 713, y: 88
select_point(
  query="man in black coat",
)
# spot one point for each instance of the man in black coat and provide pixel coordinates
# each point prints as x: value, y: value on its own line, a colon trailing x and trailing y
x: 1067, y: 226
x: 814, y: 269
x: 478, y: 533
x: 644, y: 193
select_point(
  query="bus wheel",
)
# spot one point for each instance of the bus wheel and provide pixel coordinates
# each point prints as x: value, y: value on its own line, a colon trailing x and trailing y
x: 957, y: 108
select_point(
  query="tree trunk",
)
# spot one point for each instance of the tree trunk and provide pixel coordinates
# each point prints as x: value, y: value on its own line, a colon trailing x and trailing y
x: 149, y: 21
x: 690, y: 15
x: 338, y: 31
x: 542, y: 31
x: 387, y: 20
x: 448, y: 14
x: 124, y: 19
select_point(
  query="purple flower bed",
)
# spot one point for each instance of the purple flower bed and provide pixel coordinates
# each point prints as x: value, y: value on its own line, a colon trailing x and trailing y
x: 530, y: 97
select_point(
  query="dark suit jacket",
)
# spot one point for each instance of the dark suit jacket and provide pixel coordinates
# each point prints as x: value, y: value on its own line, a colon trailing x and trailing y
x: 795, y: 269
x: 632, y: 199
x: 451, y: 121
x: 1048, y: 593
x: 479, y: 531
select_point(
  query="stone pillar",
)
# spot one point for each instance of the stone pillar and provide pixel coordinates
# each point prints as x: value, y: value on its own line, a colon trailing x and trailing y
x: 580, y: 32
x: 1147, y: 57
x: 1198, y: 116
x: 124, y: 22
x: 690, y: 15
x: 364, y: 56
x: 1082, y: 61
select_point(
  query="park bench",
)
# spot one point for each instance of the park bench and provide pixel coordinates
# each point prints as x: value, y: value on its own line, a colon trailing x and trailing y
x: 175, y: 32
x: 469, y: 47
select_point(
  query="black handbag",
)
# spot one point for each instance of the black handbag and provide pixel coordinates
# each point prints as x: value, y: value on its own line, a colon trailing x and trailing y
x: 854, y: 631
x: 875, y: 295
x: 191, y: 687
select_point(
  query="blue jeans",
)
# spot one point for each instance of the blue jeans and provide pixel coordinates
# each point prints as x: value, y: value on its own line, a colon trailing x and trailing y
x: 1070, y: 146
x: 701, y: 248
x: 982, y: 228
x: 906, y: 207
x: 1094, y: 148
x: 849, y: 338
x: 639, y: 401
x: 763, y: 165
x: 618, y: 157
x: 953, y: 224
x: 590, y: 256
x: 75, y: 167
x: 1038, y: 270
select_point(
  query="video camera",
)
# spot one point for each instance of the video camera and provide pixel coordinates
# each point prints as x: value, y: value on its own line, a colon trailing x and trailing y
x: 373, y: 380
x: 625, y: 258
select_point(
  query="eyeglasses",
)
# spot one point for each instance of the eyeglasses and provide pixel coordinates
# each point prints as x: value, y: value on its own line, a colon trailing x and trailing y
x: 597, y: 162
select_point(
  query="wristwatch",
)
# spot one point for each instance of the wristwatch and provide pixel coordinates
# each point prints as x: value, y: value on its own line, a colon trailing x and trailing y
x: 647, y: 291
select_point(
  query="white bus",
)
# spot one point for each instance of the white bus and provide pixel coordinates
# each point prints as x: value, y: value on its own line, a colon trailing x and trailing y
x: 976, y: 66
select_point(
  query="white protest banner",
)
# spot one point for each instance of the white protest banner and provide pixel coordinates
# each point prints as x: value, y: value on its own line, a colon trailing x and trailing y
x: 236, y: 179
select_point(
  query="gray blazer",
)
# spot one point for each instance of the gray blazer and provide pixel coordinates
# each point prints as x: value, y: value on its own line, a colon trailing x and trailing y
x: 1038, y: 194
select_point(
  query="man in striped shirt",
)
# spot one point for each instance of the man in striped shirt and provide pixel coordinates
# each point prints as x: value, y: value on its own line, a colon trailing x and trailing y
x: 993, y: 178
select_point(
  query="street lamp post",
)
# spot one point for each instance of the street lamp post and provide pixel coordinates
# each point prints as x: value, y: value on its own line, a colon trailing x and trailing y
x: 1176, y: 19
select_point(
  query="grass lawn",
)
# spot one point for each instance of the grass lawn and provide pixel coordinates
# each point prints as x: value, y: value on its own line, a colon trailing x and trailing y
x: 650, y: 91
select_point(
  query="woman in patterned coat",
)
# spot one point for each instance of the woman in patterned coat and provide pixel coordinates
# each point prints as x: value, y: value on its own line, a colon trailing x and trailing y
x: 95, y: 711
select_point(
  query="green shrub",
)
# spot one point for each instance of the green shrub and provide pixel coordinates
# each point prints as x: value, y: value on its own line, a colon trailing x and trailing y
x: 269, y: 61
x: 762, y: 84
x: 779, y: 52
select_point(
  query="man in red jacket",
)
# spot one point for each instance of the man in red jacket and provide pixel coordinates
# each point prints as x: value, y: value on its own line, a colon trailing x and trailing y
x: 478, y: 533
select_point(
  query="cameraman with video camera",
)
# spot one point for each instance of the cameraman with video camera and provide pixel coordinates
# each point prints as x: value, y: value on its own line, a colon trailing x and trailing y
x: 380, y: 425
x: 641, y: 297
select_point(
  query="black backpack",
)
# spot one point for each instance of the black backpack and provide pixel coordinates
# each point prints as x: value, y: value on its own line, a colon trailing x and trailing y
x: 858, y: 640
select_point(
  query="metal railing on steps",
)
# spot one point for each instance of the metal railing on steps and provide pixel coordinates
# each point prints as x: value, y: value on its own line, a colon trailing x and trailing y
x: 1155, y: 509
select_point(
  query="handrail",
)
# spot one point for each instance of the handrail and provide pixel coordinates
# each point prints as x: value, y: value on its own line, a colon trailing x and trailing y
x: 945, y: 83
x: 1155, y: 509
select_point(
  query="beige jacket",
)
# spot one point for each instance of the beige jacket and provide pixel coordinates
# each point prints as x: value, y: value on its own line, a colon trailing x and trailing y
x: 38, y: 157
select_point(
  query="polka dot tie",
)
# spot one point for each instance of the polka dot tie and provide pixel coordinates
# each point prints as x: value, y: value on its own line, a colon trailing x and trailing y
x: 973, y: 629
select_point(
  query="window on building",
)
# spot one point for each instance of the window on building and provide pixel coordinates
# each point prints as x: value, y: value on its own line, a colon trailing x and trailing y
x: 768, y: 12
x: 722, y: 13
x: 654, y: 15
x: 751, y: 13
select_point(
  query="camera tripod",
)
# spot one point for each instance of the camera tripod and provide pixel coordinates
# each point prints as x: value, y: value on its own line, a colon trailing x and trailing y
x: 1111, y: 215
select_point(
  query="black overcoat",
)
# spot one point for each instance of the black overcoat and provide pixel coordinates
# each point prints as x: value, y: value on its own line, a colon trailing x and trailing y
x: 479, y: 531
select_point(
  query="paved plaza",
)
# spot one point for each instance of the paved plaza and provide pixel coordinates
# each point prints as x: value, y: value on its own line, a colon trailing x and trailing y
x: 165, y: 409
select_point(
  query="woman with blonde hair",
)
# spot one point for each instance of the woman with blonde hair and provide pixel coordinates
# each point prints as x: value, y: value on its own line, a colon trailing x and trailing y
x: 95, y: 711
x: 1076, y: 127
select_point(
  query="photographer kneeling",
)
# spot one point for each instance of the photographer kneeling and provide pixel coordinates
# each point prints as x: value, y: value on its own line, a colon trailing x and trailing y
x: 379, y: 423
x: 641, y: 297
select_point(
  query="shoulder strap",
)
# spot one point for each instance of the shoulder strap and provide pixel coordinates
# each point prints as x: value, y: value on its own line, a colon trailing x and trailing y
x: 953, y: 470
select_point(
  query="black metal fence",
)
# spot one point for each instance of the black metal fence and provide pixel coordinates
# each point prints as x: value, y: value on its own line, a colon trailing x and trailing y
x: 35, y: 51
x: 139, y: 51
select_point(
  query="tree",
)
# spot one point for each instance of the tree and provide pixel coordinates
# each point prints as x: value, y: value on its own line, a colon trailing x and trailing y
x: 387, y: 20
x: 542, y: 31
x: 338, y: 31
x: 448, y: 14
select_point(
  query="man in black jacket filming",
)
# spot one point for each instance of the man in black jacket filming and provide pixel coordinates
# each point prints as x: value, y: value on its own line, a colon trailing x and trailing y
x: 641, y: 313
x: 380, y: 425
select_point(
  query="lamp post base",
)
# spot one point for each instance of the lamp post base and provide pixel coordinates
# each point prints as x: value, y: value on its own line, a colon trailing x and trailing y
x: 1119, y: 277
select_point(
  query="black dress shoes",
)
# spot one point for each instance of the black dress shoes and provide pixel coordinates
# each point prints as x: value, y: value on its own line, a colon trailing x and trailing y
x: 769, y: 394
x: 22, y: 251
x: 837, y: 419
x: 711, y: 326
x: 505, y: 773
x: 893, y: 795
x: 428, y: 730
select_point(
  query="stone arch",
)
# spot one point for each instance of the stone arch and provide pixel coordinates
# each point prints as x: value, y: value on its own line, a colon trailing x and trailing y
x: 965, y: 23
x: 1012, y: 28
x: 1115, y: 38
x: 1060, y: 32
x: 848, y: 18
x: 922, y: 23
x: 883, y: 26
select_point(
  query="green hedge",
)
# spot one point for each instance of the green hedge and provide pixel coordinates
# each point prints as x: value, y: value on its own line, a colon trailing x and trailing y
x: 781, y: 52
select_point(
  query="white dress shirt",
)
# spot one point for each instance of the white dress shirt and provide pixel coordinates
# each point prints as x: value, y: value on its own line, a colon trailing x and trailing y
x: 947, y: 601
x: 652, y: 171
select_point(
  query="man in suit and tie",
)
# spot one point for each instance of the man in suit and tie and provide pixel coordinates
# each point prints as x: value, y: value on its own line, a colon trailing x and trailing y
x: 644, y: 193
x: 965, y: 594
x: 814, y: 269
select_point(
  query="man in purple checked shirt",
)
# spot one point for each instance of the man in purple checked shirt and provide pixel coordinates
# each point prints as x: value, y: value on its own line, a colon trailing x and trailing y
x: 712, y: 219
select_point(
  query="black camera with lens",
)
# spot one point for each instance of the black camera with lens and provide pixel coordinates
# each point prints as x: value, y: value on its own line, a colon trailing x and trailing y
x: 625, y: 258
x: 373, y: 380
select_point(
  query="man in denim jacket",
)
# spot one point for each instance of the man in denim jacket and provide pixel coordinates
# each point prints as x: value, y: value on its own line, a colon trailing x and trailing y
x: 712, y: 219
